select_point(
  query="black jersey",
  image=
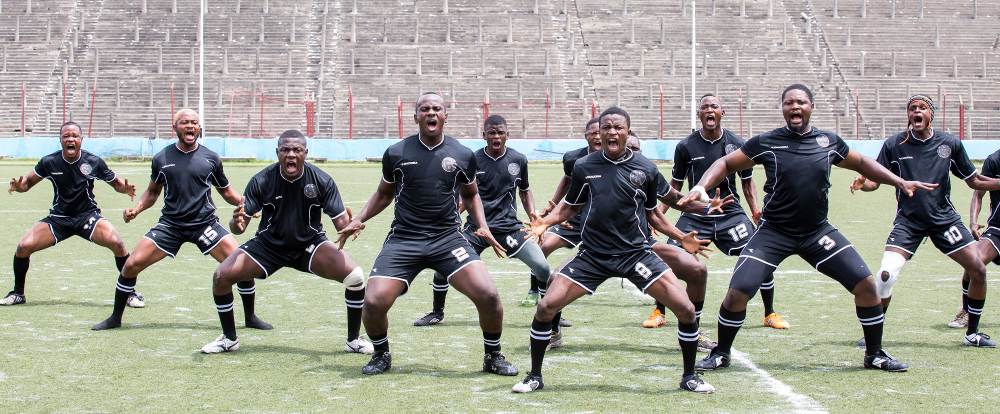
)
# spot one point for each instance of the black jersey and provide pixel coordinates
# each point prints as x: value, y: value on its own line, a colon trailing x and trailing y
x: 569, y: 160
x: 928, y: 161
x: 187, y: 179
x: 498, y: 180
x: 695, y: 154
x: 991, y: 168
x: 615, y: 196
x: 73, y: 182
x: 798, y: 176
x: 291, y: 210
x: 426, y: 183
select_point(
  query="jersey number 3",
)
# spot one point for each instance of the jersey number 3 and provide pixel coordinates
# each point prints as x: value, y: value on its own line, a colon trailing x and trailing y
x: 827, y: 242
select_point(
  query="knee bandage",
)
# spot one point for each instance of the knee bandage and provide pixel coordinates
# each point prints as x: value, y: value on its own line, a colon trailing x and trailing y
x: 892, y: 264
x: 356, y: 280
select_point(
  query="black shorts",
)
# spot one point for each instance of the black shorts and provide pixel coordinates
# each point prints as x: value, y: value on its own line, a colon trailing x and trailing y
x: 729, y: 233
x: 589, y: 270
x: 271, y: 258
x: 825, y: 249
x: 570, y: 235
x: 992, y: 235
x: 169, y: 238
x: 513, y: 241
x: 402, y: 259
x: 949, y: 237
x: 82, y: 225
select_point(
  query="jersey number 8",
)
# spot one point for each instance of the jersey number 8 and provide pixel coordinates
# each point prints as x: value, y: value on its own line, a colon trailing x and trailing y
x: 643, y: 271
x: 460, y: 254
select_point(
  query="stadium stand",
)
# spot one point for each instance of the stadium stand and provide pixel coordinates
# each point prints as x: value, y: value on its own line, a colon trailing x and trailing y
x: 121, y: 65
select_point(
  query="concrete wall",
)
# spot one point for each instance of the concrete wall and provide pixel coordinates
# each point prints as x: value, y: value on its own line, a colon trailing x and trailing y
x: 361, y: 149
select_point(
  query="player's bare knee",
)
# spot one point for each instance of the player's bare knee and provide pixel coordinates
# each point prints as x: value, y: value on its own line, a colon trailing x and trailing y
x: 23, y: 250
x: 685, y: 313
x: 545, y: 311
x: 735, y: 300
x: 977, y: 273
x: 488, y: 300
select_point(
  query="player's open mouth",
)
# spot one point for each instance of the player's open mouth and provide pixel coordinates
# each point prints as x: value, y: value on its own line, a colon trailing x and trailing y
x: 432, y: 123
x: 710, y: 120
x: 918, y: 119
x: 71, y: 146
x: 795, y: 119
x: 613, y: 144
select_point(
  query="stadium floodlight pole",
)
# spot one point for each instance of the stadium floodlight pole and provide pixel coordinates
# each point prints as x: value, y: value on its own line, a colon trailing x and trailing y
x: 693, y: 63
x: 201, y: 66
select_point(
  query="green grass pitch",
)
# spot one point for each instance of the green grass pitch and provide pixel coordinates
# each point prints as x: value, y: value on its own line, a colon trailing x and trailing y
x: 51, y: 361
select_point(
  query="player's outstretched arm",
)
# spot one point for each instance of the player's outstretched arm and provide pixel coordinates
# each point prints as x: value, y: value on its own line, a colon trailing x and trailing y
x: 713, y: 205
x: 379, y: 200
x: 879, y: 174
x: 735, y: 161
x: 122, y: 186
x: 474, y: 205
x: 688, y: 241
x: 562, y: 212
x: 864, y: 184
x: 230, y: 195
x: 528, y: 203
x: 974, y: 207
x: 561, y: 189
x: 23, y: 183
x: 981, y: 182
x: 146, y: 201
x: 750, y: 194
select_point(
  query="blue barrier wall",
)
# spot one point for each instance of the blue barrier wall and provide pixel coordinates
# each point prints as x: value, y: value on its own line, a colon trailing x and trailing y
x: 361, y: 149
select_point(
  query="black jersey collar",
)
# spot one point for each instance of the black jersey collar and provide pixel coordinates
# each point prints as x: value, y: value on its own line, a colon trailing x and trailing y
x: 497, y: 158
x: 700, y: 134
x: 922, y: 141
x: 430, y: 148
x: 78, y: 157
x: 628, y: 155
x: 196, y: 146
x: 810, y: 131
x: 301, y: 174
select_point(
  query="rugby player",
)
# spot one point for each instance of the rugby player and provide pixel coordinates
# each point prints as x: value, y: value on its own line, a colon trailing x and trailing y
x: 615, y: 243
x: 797, y: 159
x: 502, y: 173
x: 926, y: 154
x: 74, y: 211
x: 291, y: 196
x: 187, y: 171
x: 425, y: 174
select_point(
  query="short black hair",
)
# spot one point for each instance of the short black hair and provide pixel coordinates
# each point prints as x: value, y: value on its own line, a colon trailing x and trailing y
x: 707, y: 95
x: 800, y: 87
x: 494, y: 120
x: 614, y: 110
x: 416, y: 103
x: 292, y: 134
x: 70, y: 123
x: 592, y: 121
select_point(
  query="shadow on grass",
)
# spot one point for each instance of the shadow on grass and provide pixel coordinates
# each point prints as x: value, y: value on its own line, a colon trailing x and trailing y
x: 599, y: 349
x: 890, y: 345
x: 556, y: 385
x: 66, y: 303
x: 168, y: 325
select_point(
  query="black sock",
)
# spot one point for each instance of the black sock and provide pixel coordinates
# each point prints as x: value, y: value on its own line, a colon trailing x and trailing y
x: 248, y: 290
x: 872, y: 319
x: 661, y: 307
x: 491, y: 342
x: 555, y: 322
x: 540, y: 334
x: 885, y: 308
x: 224, y: 304
x: 965, y: 294
x: 687, y: 336
x: 440, y: 294
x: 123, y: 290
x: 975, y: 309
x: 767, y: 295
x: 20, y: 273
x: 729, y: 325
x: 120, y: 262
x: 698, y: 306
x: 355, y: 300
x: 534, y: 284
x: 381, y: 342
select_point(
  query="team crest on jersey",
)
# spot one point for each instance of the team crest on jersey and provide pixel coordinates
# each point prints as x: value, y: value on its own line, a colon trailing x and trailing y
x: 310, y: 190
x: 86, y: 169
x: 449, y: 164
x: 823, y: 140
x: 513, y: 168
x: 638, y: 178
x: 730, y: 148
x: 944, y: 151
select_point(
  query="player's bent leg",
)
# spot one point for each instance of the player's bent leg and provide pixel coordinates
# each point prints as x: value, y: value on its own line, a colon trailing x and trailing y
x: 247, y: 288
x: 732, y: 314
x: 105, y: 235
x: 239, y: 266
x: 551, y: 243
x: 975, y: 270
x: 38, y: 237
x: 868, y: 306
x: 533, y: 257
x: 329, y: 262
x: 561, y: 292
x: 439, y: 286
x: 143, y: 255
x: 667, y: 290
x: 475, y: 282
x: 380, y: 294
x: 685, y: 267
